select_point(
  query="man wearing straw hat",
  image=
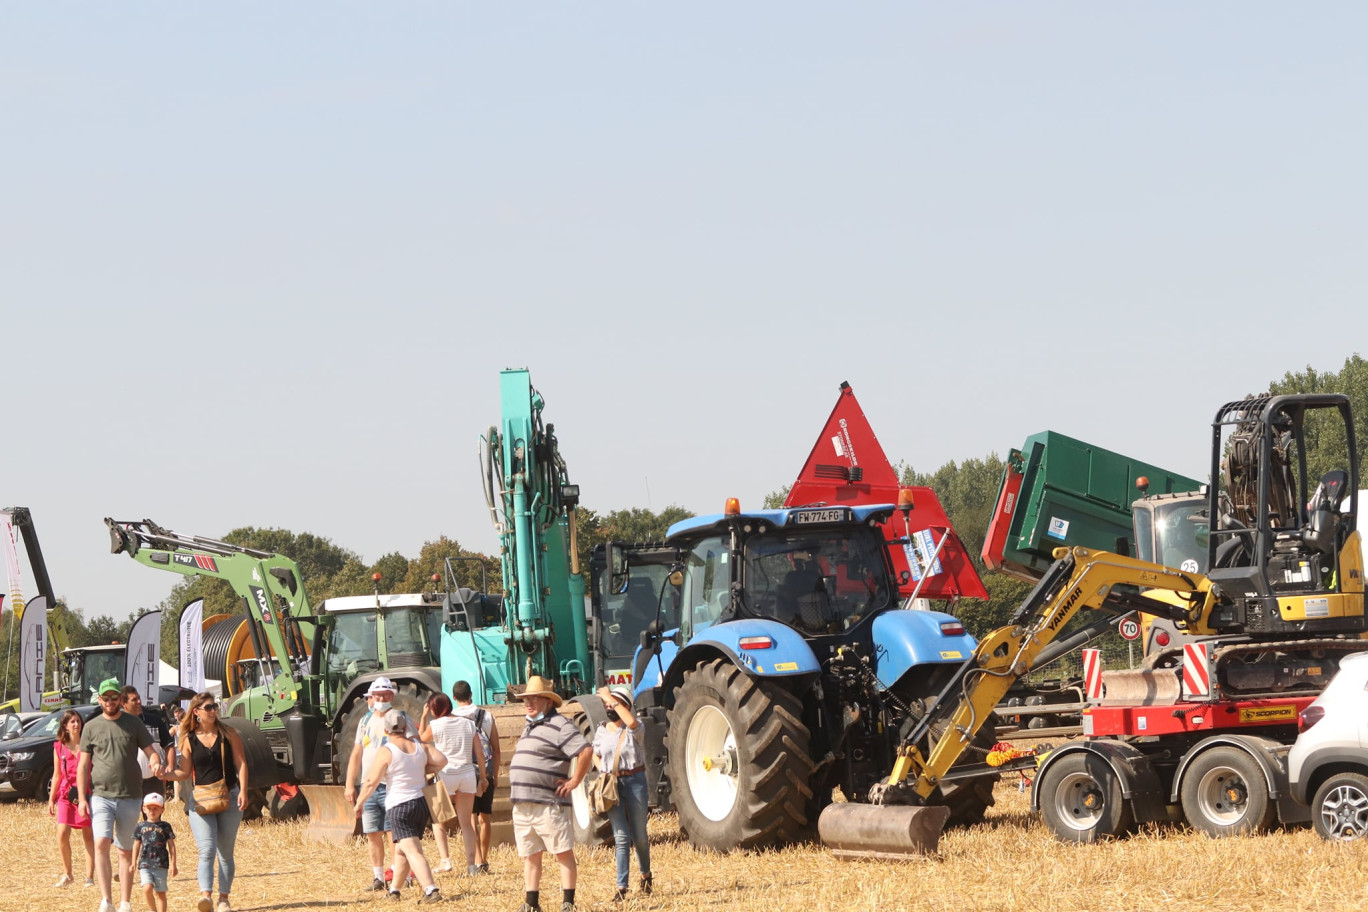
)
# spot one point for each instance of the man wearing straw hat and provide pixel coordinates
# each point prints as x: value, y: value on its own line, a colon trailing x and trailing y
x: 549, y: 763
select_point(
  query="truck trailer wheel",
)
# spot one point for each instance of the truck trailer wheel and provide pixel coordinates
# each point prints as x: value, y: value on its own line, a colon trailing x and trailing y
x: 738, y: 760
x: 1339, y: 811
x: 1080, y: 799
x: 1224, y: 793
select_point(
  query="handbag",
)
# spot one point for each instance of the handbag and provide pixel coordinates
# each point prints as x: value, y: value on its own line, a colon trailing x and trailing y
x: 73, y: 796
x: 212, y: 798
x: 439, y: 802
x: 603, y: 794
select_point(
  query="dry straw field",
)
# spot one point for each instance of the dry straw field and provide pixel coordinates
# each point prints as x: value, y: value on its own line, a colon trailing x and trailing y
x: 1009, y: 863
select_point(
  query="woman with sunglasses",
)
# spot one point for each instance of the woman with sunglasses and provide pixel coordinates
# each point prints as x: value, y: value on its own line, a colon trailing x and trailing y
x: 210, y: 751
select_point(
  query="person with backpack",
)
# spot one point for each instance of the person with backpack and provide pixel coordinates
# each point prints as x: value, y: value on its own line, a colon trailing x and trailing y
x: 487, y: 730
x: 463, y: 776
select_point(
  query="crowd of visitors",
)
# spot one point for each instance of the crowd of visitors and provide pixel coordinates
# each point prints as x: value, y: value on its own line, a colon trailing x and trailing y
x: 125, y: 760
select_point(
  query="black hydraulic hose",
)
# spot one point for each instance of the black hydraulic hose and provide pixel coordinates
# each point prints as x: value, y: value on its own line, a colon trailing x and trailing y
x: 218, y: 640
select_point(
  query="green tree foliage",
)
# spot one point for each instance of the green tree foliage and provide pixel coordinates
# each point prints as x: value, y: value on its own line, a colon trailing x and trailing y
x: 1326, y: 444
x: 774, y: 500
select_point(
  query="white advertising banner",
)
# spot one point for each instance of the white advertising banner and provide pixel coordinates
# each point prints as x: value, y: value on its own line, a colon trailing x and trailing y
x: 32, y: 653
x: 192, y: 646
x: 142, y: 666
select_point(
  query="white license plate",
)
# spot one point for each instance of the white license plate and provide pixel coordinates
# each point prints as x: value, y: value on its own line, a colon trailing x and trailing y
x: 819, y: 516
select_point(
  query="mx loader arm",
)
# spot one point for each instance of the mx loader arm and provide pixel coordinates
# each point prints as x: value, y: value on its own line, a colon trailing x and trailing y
x: 1079, y: 578
x: 280, y: 618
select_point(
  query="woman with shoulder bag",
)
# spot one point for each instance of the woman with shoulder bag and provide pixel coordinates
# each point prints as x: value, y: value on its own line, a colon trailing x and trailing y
x: 619, y: 749
x: 213, y: 759
x: 62, y: 804
x: 463, y: 776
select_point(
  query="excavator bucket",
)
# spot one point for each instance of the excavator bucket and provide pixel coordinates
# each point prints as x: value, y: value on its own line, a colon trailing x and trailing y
x: 331, y: 817
x: 886, y: 831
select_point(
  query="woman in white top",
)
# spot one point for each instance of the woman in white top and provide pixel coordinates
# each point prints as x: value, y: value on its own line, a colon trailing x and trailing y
x: 463, y: 775
x: 403, y: 765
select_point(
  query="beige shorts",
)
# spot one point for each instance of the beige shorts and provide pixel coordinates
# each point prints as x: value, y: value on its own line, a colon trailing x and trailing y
x: 542, y: 827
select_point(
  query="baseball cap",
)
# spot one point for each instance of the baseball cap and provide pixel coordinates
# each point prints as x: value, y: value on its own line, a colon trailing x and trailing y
x: 110, y: 685
x: 396, y: 723
x: 154, y: 798
x: 381, y: 683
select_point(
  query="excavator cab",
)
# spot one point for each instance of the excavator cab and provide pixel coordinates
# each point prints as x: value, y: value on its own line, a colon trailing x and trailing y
x: 1284, y: 545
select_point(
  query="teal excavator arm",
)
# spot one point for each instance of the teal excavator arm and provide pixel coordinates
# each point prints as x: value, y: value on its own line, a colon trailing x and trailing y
x: 533, y: 504
x: 280, y: 619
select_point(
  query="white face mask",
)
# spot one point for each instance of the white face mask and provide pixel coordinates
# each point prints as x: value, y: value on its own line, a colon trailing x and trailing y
x: 381, y: 706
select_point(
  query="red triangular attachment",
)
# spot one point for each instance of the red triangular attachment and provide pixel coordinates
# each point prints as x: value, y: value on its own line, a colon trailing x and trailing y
x: 847, y: 466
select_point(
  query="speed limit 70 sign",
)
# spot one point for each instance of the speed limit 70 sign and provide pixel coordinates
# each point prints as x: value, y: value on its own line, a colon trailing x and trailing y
x: 1129, y: 628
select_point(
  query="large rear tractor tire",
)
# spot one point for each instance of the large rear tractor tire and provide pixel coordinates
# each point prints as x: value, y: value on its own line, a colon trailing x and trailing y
x: 1224, y: 793
x: 738, y: 760
x: 967, y: 799
x: 408, y: 698
x: 590, y: 829
x: 1081, y: 801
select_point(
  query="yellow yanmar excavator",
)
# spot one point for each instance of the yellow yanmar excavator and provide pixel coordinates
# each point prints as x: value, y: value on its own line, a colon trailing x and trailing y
x: 1200, y: 731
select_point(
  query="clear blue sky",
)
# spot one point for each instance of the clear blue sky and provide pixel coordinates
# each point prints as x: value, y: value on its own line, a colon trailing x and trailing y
x: 260, y: 264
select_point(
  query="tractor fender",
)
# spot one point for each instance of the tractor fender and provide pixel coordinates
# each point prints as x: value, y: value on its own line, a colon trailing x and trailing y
x: 1271, y: 756
x: 903, y: 639
x: 1140, y: 783
x: 790, y: 659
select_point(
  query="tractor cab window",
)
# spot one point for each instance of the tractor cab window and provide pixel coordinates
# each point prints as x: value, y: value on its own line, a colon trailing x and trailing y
x: 1172, y: 533
x: 95, y: 666
x: 352, y: 646
x: 412, y: 637
x: 816, y: 581
x: 707, y: 585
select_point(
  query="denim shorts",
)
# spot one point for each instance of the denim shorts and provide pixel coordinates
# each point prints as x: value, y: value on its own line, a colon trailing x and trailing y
x: 374, y: 817
x: 154, y: 877
x: 115, y: 818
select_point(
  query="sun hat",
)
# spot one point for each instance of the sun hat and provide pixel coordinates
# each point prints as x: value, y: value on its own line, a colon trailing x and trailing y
x: 537, y: 686
x: 154, y: 798
x: 110, y: 685
x: 379, y: 684
x: 622, y: 695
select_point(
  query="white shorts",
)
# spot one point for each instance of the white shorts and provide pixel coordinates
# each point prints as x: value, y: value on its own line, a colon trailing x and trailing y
x: 457, y: 783
x: 542, y: 828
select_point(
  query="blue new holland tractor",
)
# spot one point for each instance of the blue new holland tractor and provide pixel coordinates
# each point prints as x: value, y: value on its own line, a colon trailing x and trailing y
x: 781, y: 665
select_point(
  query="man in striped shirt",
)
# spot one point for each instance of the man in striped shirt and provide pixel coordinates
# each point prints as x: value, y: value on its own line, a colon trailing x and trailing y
x: 549, y: 763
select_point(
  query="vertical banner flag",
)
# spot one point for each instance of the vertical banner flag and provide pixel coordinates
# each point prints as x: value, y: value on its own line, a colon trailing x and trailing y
x: 144, y: 654
x: 192, y: 646
x: 32, y: 652
x: 16, y: 590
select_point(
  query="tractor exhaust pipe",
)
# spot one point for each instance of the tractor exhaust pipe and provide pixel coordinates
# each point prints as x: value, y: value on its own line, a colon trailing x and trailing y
x: 884, y: 831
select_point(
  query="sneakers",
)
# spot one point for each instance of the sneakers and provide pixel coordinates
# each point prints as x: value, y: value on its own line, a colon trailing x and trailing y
x: 483, y: 868
x: 223, y: 906
x: 65, y: 880
x: 395, y: 894
x: 443, y: 866
x: 528, y: 907
x: 645, y: 884
x: 377, y: 886
x: 125, y: 907
x: 474, y: 871
x: 620, y: 895
x: 567, y: 907
x: 434, y: 897
x: 90, y: 882
x: 106, y: 906
x: 205, y: 904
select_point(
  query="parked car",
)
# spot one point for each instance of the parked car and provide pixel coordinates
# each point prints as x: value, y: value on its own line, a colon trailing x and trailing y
x: 1328, y: 765
x: 12, y: 725
x: 26, y: 761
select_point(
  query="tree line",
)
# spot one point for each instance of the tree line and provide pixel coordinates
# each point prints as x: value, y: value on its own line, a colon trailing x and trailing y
x: 967, y: 490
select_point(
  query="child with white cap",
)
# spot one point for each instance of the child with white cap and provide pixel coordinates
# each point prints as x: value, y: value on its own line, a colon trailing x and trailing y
x: 154, y: 852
